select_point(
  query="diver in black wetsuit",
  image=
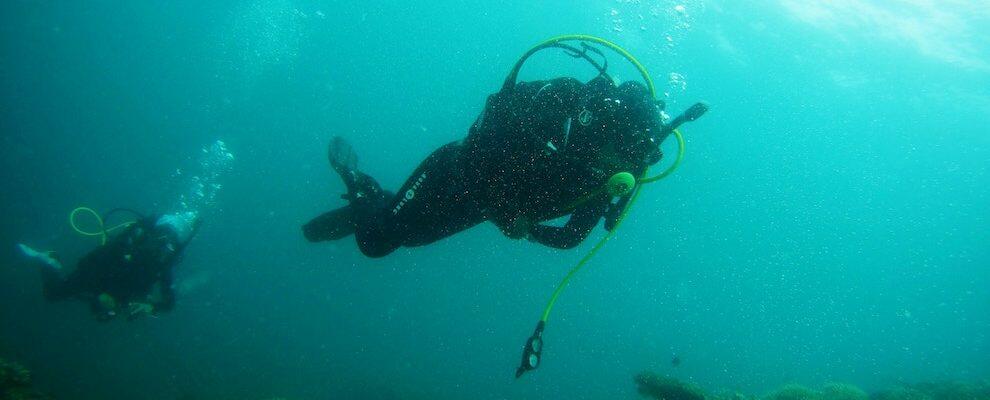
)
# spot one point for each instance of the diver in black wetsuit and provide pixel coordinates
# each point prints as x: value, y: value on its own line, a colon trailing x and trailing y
x: 131, y: 273
x: 536, y: 153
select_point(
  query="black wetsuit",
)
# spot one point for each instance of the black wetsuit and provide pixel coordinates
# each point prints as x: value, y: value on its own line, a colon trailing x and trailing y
x: 128, y: 268
x: 526, y: 156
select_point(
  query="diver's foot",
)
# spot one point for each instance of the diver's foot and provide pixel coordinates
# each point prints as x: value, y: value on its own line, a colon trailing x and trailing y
x: 332, y: 225
x: 363, y: 189
x: 360, y: 186
x: 44, y: 258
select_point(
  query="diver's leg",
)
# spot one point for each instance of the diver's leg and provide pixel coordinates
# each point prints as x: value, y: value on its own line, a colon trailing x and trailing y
x: 376, y: 232
x: 54, y: 286
x: 435, y: 202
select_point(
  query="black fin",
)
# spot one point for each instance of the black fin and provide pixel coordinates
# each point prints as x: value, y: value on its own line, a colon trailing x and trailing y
x: 342, y: 157
x: 332, y: 225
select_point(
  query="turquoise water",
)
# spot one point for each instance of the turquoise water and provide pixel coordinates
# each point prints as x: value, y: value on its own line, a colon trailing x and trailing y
x: 829, y: 222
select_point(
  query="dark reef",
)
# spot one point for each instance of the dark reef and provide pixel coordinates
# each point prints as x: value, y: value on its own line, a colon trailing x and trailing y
x: 655, y: 386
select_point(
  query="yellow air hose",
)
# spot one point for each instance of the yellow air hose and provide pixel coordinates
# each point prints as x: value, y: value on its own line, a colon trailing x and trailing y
x: 103, y: 230
x: 534, y: 345
x: 601, y: 242
x: 642, y: 180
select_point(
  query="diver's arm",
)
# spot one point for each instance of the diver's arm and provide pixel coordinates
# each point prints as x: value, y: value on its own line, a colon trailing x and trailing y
x: 691, y: 114
x: 154, y: 305
x: 581, y: 222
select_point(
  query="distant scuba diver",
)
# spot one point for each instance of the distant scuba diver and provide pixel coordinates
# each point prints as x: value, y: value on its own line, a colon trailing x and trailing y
x: 129, y: 273
x: 539, y: 150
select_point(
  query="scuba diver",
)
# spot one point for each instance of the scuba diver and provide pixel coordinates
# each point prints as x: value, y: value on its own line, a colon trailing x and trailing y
x: 129, y: 273
x: 539, y: 151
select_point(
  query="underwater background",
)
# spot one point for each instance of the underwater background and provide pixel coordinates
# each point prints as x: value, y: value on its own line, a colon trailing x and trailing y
x: 829, y: 222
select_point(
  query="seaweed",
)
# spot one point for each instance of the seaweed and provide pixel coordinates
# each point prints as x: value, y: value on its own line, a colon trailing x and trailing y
x: 731, y: 395
x: 794, y: 391
x: 657, y: 386
x: 665, y: 388
x: 843, y: 391
x: 15, y: 383
x: 900, y: 393
x: 954, y: 390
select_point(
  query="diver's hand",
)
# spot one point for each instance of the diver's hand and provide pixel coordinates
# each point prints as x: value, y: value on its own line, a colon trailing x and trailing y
x: 137, y: 309
x: 106, y: 307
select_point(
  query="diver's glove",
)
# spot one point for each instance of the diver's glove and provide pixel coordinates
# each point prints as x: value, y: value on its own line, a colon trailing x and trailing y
x: 614, y: 212
x: 691, y: 114
x: 136, y: 309
x: 105, y: 307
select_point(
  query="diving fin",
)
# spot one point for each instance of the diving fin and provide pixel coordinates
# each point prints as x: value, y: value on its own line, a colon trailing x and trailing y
x: 46, y: 259
x: 342, y: 155
x: 331, y: 225
x: 360, y: 186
